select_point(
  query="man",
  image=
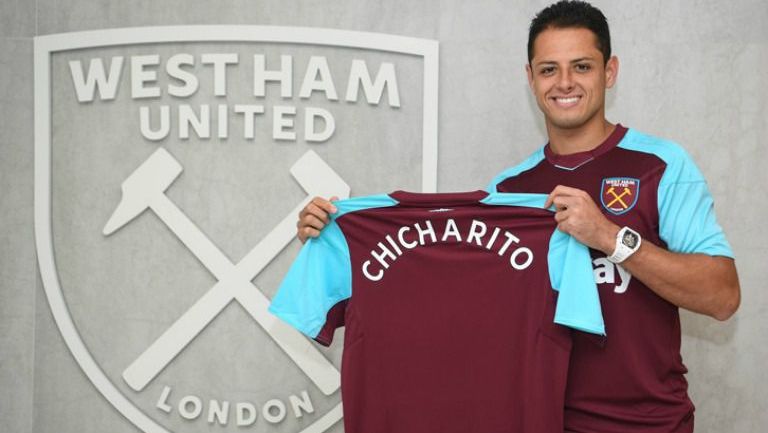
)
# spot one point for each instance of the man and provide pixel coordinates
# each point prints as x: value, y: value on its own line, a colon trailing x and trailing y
x: 655, y: 218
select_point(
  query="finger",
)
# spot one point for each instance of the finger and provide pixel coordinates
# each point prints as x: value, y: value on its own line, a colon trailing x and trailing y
x: 312, y: 221
x: 324, y: 204
x: 562, y: 203
x: 558, y: 191
x: 560, y: 217
x: 312, y: 210
x: 308, y: 232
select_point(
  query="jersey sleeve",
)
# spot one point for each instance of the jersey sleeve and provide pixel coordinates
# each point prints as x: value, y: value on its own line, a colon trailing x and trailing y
x: 687, y: 220
x: 570, y: 272
x: 319, y: 278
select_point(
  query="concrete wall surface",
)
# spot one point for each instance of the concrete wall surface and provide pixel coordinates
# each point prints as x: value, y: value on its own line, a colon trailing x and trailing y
x: 690, y: 71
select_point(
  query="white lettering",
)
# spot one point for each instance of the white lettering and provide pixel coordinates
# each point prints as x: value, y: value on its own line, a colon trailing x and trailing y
x: 197, y: 407
x: 359, y: 76
x: 494, y: 235
x: 451, y: 230
x: 394, y: 245
x: 189, y: 80
x: 385, y: 252
x: 244, y: 419
x: 605, y: 273
x: 223, y: 121
x: 510, y: 238
x: 310, y: 133
x: 626, y: 277
x: 165, y: 123
x: 368, y: 274
x: 201, y: 124
x: 219, y: 62
x: 304, y: 404
x: 280, y: 122
x: 249, y: 112
x: 318, y: 66
x: 401, y: 238
x: 513, y: 258
x: 428, y: 231
x: 162, y: 402
x: 477, y: 231
x: 266, y: 411
x: 218, y: 412
x: 140, y: 77
x: 97, y: 79
x: 284, y: 75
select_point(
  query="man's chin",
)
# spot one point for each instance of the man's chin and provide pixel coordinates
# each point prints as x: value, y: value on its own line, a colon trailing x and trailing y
x: 567, y: 123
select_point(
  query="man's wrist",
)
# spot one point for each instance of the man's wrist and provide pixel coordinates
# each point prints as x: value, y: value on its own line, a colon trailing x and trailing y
x: 608, y: 245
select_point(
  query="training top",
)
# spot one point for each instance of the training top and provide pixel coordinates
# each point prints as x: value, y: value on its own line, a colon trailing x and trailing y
x: 634, y: 381
x: 451, y: 321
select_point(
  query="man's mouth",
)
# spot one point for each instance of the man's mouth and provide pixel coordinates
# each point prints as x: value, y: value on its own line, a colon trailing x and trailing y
x: 566, y: 101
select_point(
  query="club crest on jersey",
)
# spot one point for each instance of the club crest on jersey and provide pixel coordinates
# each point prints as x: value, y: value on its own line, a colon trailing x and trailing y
x: 619, y: 194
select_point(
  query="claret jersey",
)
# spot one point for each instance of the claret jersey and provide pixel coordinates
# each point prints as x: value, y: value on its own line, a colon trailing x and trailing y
x: 634, y: 382
x: 458, y: 310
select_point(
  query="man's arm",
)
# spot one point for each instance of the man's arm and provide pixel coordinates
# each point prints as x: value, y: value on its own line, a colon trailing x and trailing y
x: 697, y: 282
x: 314, y: 217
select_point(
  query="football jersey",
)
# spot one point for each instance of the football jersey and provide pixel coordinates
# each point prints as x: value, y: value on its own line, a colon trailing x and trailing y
x: 451, y: 321
x: 635, y: 381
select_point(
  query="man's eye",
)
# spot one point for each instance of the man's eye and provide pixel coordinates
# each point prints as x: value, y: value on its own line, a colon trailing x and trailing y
x: 582, y: 67
x: 547, y: 71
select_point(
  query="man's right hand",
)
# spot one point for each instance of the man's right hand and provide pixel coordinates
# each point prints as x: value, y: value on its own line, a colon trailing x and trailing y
x: 314, y: 217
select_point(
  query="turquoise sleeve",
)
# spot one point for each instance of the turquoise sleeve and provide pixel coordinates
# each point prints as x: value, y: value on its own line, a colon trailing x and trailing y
x: 687, y: 222
x: 319, y: 278
x: 570, y: 272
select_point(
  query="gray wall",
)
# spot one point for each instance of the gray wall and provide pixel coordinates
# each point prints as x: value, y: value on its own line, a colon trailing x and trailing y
x: 690, y: 71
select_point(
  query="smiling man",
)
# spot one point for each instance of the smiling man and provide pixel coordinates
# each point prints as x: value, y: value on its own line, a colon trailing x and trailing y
x: 641, y: 205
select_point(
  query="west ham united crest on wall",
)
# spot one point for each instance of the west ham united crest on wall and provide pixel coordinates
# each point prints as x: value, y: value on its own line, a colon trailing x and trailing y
x: 171, y: 164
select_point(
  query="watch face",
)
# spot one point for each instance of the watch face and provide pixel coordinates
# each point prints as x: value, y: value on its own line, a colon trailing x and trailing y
x: 629, y: 239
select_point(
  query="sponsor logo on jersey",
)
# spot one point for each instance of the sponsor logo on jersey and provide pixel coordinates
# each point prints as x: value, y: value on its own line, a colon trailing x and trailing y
x: 619, y: 194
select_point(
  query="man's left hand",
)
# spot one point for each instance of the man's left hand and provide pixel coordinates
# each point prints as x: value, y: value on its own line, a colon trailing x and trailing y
x: 578, y: 215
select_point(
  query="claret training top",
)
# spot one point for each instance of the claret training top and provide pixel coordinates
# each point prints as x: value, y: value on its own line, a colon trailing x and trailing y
x: 633, y: 383
x: 452, y: 323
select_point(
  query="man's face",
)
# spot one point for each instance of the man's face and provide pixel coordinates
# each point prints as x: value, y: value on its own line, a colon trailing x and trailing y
x: 569, y: 77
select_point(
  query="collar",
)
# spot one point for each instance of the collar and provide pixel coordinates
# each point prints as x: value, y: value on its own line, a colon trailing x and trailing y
x: 575, y: 160
x: 438, y: 199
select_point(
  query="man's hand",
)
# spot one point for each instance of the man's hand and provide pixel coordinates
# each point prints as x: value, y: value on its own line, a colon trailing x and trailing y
x: 314, y: 217
x: 578, y: 215
x: 697, y: 282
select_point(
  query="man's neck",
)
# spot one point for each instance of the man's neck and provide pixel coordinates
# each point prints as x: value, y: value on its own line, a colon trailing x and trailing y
x: 582, y: 139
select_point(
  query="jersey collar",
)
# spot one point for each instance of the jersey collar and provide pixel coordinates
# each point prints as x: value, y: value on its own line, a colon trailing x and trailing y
x: 438, y: 199
x: 576, y: 160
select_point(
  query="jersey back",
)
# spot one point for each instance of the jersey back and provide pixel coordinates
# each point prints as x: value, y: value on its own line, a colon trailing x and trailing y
x: 450, y: 315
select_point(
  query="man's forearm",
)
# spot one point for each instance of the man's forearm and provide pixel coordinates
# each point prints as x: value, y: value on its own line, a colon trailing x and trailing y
x: 697, y: 282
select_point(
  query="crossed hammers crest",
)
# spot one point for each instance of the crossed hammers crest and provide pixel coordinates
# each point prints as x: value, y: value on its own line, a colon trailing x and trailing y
x: 145, y: 189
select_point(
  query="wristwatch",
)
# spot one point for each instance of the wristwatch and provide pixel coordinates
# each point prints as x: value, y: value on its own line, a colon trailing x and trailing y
x: 627, y: 242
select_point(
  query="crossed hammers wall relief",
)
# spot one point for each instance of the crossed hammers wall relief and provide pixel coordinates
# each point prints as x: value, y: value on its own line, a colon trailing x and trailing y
x: 145, y: 189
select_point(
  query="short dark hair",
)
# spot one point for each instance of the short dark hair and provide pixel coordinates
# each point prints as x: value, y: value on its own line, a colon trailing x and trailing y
x: 572, y: 14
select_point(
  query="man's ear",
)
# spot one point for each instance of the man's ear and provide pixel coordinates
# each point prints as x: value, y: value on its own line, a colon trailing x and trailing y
x: 611, y: 71
x: 529, y: 73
